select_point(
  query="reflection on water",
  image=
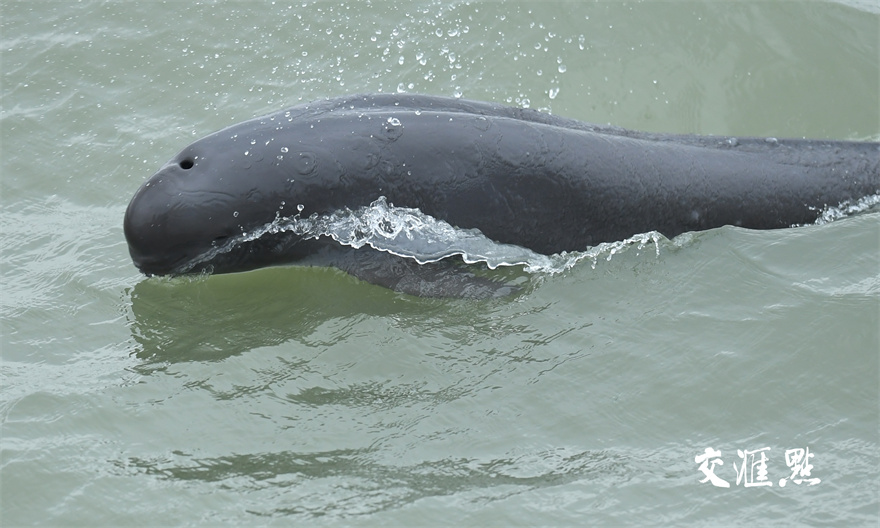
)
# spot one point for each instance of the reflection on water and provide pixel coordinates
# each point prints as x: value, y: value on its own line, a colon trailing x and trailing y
x: 350, y: 482
x: 213, y: 317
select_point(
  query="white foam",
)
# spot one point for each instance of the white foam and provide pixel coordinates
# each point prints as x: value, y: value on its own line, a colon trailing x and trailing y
x: 409, y: 233
x: 847, y: 208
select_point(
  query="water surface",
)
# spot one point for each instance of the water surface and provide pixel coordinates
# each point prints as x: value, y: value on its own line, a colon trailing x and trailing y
x: 303, y: 396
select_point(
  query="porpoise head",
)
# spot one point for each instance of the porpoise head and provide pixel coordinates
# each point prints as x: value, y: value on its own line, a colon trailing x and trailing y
x: 221, y: 188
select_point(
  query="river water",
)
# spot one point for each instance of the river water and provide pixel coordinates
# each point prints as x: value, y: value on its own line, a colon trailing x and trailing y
x: 304, y: 396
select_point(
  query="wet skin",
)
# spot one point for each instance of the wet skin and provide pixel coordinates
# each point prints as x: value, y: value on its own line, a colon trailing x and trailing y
x: 519, y: 176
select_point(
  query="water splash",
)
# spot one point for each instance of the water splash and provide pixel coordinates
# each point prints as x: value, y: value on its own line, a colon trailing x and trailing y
x: 410, y: 233
x: 847, y: 208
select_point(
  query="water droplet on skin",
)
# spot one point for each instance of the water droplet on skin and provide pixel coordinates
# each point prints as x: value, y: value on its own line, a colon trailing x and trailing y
x: 554, y: 92
x: 235, y: 214
x: 284, y: 149
x: 393, y: 121
x: 300, y: 207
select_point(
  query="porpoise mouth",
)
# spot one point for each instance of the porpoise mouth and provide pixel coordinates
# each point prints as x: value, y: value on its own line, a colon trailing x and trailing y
x: 152, y: 266
x: 229, y: 254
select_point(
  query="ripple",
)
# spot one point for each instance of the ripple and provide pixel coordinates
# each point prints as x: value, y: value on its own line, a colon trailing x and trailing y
x: 409, y: 233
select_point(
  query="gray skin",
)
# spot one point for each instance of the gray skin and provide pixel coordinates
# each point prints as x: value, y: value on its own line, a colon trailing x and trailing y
x: 519, y: 176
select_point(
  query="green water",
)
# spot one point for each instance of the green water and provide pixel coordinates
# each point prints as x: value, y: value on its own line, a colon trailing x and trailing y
x: 303, y: 396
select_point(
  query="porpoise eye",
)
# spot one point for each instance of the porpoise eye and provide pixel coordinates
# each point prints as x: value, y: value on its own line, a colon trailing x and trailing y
x: 186, y: 164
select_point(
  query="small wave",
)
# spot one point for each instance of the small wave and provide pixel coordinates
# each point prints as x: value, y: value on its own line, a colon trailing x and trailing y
x: 867, y: 6
x: 847, y: 208
x: 410, y: 233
